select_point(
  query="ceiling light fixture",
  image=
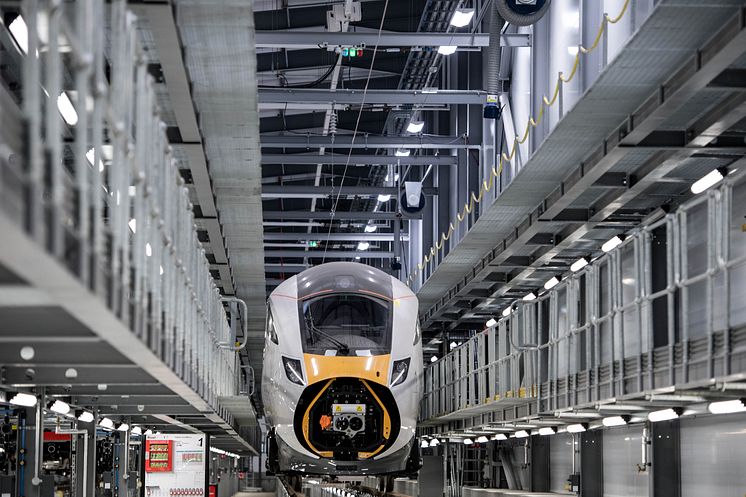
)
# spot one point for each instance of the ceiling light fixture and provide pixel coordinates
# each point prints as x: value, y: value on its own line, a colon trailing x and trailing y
x: 551, y: 283
x: 521, y: 434
x: 500, y: 436
x: 136, y: 430
x: 19, y: 30
x: 363, y: 245
x: 23, y: 399
x: 615, y: 421
x: 384, y: 198
x: 664, y: 415
x: 727, y: 407
x: 434, y: 358
x: 370, y: 228
x: 483, y: 439
x: 529, y: 297
x: 507, y: 311
x: 612, y: 243
x: 106, y: 423
x: 490, y: 323
x: 415, y: 126
x: 447, y: 49
x: 577, y: 428
x: 434, y: 442
x: 402, y: 152
x: 424, y: 444
x: 59, y: 407
x: 148, y: 432
x: 579, y: 264
x: 123, y: 427
x: 66, y: 109
x: 468, y: 441
x: 547, y: 430
x: 85, y: 417
x: 708, y: 180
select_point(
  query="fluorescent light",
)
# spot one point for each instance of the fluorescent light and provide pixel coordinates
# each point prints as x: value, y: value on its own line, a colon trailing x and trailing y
x: 462, y: 17
x: 576, y: 428
x: 712, y: 178
x: 447, y: 49
x: 662, y: 415
x: 415, y: 126
x: 434, y: 358
x: 521, y: 434
x: 490, y: 323
x: 547, y: 431
x: 402, y: 152
x: 19, y: 30
x: 60, y: 407
x: 468, y: 441
x: 579, y: 264
x: 483, y: 439
x: 507, y: 311
x: 85, y: 417
x: 23, y: 399
x: 65, y: 106
x: 136, y: 430
x: 434, y: 442
x: 726, y: 407
x: 551, y: 283
x: 384, y: 198
x: 363, y: 245
x: 106, y: 423
x: 123, y: 427
x: 370, y: 228
x: 529, y: 297
x: 612, y: 243
x: 500, y: 436
x: 615, y: 421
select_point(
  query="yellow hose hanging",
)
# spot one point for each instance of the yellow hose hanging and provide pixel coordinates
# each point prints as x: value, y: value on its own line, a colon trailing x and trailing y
x: 495, y: 173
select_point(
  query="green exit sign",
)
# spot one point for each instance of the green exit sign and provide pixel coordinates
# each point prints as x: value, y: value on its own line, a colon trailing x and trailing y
x: 313, y: 243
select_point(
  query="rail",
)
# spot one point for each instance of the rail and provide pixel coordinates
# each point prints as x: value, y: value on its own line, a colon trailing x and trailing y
x: 664, y: 308
x: 95, y: 182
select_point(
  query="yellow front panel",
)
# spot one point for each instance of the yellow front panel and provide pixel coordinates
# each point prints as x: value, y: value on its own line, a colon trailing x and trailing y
x: 371, y: 368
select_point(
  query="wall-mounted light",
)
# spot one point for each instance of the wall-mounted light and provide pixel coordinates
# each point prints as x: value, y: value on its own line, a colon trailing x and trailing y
x: 551, y: 283
x: 708, y: 180
x: 579, y: 264
x: 612, y: 243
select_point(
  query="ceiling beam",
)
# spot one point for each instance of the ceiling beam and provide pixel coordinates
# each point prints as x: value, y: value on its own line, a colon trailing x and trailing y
x: 337, y: 237
x: 322, y: 191
x: 338, y: 216
x: 371, y: 97
x: 342, y: 159
x: 314, y: 39
x: 329, y: 254
x: 367, y: 142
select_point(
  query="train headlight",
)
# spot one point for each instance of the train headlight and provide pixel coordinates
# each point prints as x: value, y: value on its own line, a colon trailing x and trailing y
x: 399, y: 371
x: 293, y: 370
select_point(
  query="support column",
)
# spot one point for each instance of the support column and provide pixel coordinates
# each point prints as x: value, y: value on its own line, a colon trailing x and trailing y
x: 665, y: 459
x: 591, y: 464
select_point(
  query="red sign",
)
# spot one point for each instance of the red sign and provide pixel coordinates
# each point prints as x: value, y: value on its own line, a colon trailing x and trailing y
x: 158, y: 456
x: 213, y: 491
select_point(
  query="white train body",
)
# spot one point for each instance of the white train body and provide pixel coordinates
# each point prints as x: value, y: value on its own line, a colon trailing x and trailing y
x: 342, y: 377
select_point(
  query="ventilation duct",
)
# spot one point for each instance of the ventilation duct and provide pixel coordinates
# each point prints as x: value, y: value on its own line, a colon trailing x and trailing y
x: 518, y: 13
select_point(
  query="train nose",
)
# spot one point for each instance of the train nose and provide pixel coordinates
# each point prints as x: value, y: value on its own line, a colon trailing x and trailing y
x: 347, y: 418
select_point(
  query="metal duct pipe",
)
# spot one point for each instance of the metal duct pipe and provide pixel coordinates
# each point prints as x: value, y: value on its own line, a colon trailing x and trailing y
x: 491, y: 109
x: 519, y: 13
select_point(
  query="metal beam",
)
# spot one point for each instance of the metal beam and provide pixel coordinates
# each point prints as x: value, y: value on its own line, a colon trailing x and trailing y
x: 371, y: 97
x: 329, y: 254
x: 313, y: 191
x: 339, y: 216
x: 337, y: 237
x: 365, y: 141
x: 354, y: 160
x: 314, y: 39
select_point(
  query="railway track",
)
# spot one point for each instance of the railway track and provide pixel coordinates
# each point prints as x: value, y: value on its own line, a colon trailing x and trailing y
x: 336, y: 490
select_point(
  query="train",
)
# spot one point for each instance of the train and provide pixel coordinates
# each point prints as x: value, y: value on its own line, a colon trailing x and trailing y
x: 342, y: 374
